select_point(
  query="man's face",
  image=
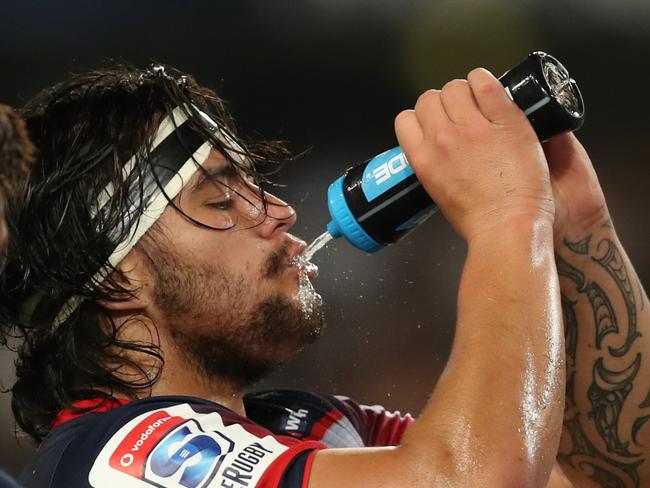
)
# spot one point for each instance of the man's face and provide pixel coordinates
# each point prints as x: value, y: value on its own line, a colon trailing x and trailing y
x: 235, y: 302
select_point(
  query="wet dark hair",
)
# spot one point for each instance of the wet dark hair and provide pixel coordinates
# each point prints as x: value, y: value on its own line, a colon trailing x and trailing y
x: 85, y: 129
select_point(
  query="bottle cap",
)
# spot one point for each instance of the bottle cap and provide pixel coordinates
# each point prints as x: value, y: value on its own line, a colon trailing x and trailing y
x: 542, y: 87
x: 343, y: 221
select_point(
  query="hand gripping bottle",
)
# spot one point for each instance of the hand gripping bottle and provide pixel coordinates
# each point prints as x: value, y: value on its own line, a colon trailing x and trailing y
x: 377, y: 202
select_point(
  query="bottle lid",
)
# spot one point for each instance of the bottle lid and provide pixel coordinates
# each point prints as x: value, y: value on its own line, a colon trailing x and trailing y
x: 343, y: 221
x: 542, y: 87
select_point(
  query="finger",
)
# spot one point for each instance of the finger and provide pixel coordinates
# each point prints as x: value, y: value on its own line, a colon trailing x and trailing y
x: 430, y: 112
x: 562, y: 150
x: 459, y: 102
x: 555, y: 150
x: 491, y: 97
x: 408, y: 130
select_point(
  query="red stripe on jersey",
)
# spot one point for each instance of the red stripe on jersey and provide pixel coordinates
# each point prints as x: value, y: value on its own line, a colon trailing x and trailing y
x: 96, y: 405
x: 308, y: 464
x: 321, y: 427
x: 385, y: 428
x: 273, y: 474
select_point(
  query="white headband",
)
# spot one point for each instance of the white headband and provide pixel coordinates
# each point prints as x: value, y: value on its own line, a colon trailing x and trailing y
x: 163, y: 184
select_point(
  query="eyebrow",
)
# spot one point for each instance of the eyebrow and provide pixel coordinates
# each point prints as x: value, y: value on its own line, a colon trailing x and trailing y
x: 209, y: 175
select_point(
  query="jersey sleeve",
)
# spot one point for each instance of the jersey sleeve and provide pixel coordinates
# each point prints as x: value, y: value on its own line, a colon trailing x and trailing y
x: 336, y: 421
x: 376, y: 425
x: 200, y: 446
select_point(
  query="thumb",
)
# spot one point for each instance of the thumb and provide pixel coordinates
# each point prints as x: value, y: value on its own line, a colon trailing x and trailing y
x: 491, y: 96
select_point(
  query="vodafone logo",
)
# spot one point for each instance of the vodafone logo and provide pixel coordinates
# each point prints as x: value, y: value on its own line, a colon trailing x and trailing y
x: 177, y: 447
x: 150, y: 430
x: 132, y: 453
x: 127, y: 460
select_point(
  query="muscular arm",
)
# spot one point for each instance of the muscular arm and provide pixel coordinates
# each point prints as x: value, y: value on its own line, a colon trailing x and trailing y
x: 494, y: 418
x: 605, y: 441
x: 491, y: 419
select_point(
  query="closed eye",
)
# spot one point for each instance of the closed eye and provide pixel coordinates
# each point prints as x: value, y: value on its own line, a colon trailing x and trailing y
x: 221, y: 205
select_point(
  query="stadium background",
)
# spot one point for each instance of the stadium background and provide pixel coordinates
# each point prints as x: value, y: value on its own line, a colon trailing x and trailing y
x: 329, y: 76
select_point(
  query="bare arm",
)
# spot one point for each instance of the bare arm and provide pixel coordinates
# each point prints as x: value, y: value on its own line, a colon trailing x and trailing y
x: 494, y: 417
x: 605, y: 440
x: 608, y: 381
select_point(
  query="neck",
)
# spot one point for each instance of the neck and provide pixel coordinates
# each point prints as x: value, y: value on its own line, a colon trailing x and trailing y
x: 180, y: 378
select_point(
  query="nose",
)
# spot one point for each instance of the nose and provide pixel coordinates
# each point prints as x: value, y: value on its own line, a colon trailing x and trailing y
x: 279, y: 217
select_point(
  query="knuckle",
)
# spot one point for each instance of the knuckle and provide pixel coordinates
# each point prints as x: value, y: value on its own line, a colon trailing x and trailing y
x: 485, y: 88
x: 480, y: 74
x: 416, y: 156
x: 483, y: 82
x: 401, y: 117
x: 427, y: 96
x: 446, y: 139
x: 454, y: 85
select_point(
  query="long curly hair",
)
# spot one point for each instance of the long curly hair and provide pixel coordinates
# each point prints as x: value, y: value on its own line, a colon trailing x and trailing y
x: 85, y: 129
x: 16, y: 150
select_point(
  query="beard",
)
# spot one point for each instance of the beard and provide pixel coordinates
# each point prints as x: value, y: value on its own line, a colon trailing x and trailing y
x: 212, y: 323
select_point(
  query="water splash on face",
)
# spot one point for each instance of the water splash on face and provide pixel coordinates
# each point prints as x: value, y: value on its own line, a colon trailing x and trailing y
x: 310, y: 301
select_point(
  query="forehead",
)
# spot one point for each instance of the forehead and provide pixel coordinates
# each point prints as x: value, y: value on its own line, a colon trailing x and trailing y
x: 215, y: 161
x: 217, y: 167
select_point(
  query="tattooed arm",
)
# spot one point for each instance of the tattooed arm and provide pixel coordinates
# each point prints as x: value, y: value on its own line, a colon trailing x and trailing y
x: 605, y: 442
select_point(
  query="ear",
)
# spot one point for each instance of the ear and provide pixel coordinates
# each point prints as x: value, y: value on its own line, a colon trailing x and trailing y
x: 132, y: 275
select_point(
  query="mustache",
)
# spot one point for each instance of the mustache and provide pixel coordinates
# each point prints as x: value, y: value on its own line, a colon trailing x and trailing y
x: 276, y: 262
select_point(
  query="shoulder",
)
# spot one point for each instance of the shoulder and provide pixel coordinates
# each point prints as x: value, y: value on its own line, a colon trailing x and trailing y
x: 7, y: 481
x: 169, y: 441
x: 305, y: 415
x: 335, y: 420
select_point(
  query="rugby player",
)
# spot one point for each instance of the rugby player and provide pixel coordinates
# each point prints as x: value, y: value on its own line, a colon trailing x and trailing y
x: 152, y: 280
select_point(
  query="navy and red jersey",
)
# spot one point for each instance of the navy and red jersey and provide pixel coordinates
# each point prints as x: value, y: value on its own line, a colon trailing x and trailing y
x: 188, y: 442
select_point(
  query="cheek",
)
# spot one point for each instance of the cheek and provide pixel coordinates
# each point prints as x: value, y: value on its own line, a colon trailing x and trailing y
x: 238, y: 252
x: 243, y: 254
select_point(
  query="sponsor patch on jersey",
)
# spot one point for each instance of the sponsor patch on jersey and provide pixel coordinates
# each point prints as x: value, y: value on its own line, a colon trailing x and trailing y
x: 178, y: 447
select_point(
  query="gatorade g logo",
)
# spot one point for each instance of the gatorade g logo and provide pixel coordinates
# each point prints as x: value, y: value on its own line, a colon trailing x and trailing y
x: 384, y: 172
x: 166, y: 450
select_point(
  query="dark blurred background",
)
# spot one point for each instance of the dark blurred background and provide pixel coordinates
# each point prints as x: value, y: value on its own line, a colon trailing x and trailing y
x: 329, y: 76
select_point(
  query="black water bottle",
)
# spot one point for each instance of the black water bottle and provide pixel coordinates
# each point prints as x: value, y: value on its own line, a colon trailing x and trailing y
x: 377, y: 202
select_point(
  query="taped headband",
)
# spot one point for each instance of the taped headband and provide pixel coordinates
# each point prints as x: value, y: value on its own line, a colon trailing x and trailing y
x: 166, y: 173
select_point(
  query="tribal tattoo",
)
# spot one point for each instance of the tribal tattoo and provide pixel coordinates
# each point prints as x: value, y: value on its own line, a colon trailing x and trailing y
x: 585, y: 457
x: 613, y: 263
x: 570, y: 330
x: 607, y: 394
x: 580, y: 247
x: 612, y: 455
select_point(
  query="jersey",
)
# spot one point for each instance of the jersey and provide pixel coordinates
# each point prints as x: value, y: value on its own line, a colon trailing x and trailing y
x: 6, y: 481
x: 189, y: 442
